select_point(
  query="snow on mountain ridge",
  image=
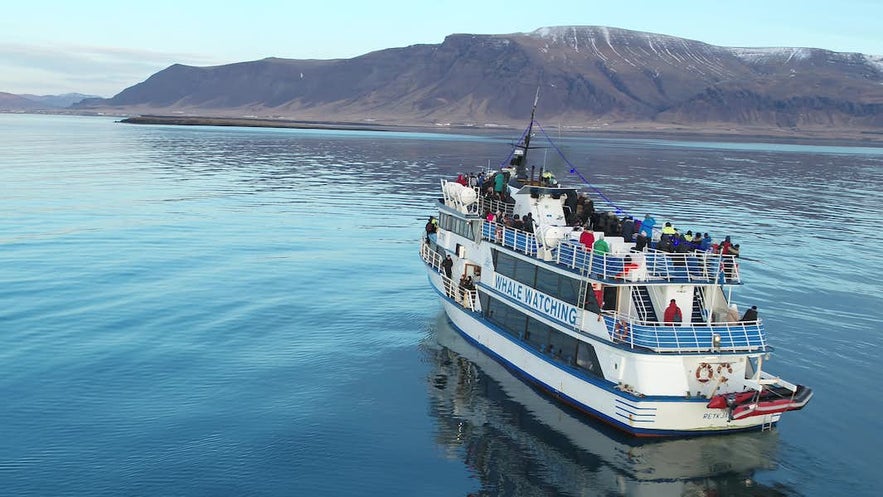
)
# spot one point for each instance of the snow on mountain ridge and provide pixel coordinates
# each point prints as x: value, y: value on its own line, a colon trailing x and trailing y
x: 762, y: 54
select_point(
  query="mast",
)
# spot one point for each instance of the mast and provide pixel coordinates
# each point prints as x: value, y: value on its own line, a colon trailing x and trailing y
x: 519, y: 157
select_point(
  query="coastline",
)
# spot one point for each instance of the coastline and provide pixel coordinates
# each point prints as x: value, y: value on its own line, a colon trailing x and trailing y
x: 845, y: 137
x: 718, y: 132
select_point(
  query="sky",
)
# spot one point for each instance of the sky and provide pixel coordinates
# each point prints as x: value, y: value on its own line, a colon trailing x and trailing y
x: 100, y: 47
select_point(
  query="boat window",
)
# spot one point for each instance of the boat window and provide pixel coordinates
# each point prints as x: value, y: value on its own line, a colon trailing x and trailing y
x: 547, y: 282
x: 507, y: 318
x: 459, y: 226
x: 537, y: 334
x: 569, y: 290
x: 525, y: 273
x: 563, y: 347
x: 504, y: 264
x: 562, y: 287
x: 540, y: 336
x: 588, y: 360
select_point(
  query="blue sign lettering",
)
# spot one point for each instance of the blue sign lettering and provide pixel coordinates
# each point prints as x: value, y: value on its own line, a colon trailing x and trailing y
x: 537, y: 301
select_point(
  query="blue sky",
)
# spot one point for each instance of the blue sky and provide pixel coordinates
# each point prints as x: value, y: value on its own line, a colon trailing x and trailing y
x: 102, y: 47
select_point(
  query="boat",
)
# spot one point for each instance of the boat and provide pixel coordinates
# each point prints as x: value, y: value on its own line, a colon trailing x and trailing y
x: 517, y: 262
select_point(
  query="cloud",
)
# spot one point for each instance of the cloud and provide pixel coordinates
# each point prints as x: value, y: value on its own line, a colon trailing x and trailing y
x: 104, y: 71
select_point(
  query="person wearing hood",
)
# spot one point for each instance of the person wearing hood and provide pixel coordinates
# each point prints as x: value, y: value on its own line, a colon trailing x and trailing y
x: 750, y: 314
x: 628, y: 229
x: 705, y: 244
x: 499, y: 182
x: 673, y: 313
x: 647, y: 226
x: 600, y: 246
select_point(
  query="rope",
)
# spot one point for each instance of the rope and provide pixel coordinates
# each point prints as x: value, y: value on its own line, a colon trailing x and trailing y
x: 574, y: 170
x: 506, y: 162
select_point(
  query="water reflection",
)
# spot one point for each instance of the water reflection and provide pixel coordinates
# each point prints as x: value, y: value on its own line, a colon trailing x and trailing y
x: 520, y: 443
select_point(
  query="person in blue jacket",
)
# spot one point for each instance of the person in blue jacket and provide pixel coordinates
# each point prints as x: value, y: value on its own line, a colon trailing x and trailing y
x: 647, y: 226
x: 705, y: 244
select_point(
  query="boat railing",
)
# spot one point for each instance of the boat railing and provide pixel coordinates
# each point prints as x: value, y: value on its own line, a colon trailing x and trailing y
x: 431, y: 257
x: 650, y: 265
x: 739, y: 336
x: 493, y: 205
x: 466, y: 298
x: 516, y: 239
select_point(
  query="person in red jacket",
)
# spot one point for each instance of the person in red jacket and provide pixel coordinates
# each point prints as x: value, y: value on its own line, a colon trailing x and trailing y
x: 673, y: 313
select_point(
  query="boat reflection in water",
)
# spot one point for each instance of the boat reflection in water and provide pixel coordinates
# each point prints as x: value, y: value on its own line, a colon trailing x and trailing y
x: 520, y: 443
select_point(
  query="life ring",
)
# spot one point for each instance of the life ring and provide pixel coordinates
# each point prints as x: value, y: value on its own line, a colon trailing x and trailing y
x: 724, y: 367
x: 704, y: 372
x: 621, y: 330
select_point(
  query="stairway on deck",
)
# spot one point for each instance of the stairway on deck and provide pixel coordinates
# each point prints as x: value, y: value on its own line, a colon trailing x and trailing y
x: 643, y: 304
x: 698, y: 304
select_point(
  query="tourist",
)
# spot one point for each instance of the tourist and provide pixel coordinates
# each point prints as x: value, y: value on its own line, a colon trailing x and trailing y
x: 672, y: 313
x: 734, y: 250
x: 706, y: 243
x: 732, y: 313
x: 528, y: 222
x: 647, y: 226
x: 587, y: 238
x: 641, y: 242
x: 448, y: 265
x: 628, y: 229
x: 499, y: 183
x: 724, y: 246
x: 750, y: 315
x: 464, y: 282
x: 600, y: 246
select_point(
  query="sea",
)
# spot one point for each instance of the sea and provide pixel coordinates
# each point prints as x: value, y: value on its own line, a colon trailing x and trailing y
x: 224, y: 311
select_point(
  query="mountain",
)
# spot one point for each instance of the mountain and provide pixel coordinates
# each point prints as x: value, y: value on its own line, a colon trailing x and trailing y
x: 588, y: 77
x: 16, y: 103
x: 30, y: 103
x: 58, y: 101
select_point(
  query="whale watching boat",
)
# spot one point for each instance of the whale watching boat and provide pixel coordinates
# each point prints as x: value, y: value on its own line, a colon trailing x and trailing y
x: 635, y: 333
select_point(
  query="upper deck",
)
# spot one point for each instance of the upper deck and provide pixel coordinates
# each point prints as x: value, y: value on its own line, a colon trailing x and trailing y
x: 621, y: 264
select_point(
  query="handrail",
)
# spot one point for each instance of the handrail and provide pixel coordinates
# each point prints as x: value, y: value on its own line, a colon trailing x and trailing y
x: 486, y: 204
x: 666, y: 337
x: 516, y: 239
x: 650, y: 265
x: 466, y: 298
x: 431, y: 257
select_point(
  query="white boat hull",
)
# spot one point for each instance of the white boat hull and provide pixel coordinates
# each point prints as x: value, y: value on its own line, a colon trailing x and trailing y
x: 640, y: 416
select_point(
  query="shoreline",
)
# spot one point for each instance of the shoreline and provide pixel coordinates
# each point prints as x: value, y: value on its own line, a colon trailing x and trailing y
x: 713, y: 133
x: 845, y: 138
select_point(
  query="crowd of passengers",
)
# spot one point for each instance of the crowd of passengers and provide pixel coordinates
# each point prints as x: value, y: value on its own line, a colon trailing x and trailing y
x: 581, y: 215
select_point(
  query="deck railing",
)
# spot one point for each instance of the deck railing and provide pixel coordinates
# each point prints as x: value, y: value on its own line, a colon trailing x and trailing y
x: 648, y: 266
x: 518, y: 240
x: 666, y: 337
x: 464, y: 297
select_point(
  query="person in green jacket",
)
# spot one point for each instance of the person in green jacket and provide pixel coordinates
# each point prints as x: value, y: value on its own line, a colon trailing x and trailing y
x: 600, y: 246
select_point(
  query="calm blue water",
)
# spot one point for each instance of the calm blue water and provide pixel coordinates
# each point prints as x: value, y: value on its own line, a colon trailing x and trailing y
x: 202, y: 312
